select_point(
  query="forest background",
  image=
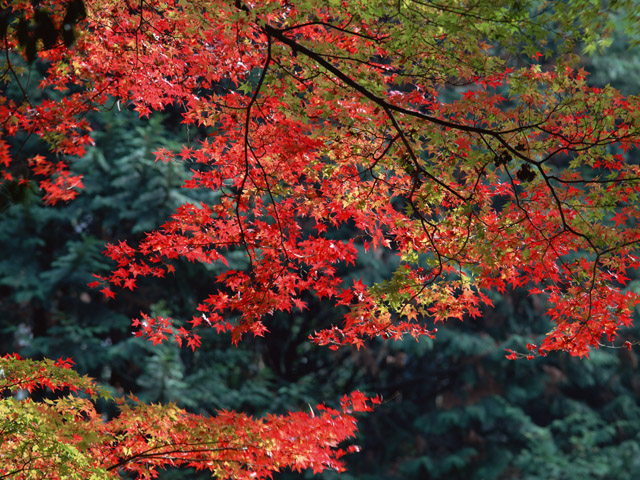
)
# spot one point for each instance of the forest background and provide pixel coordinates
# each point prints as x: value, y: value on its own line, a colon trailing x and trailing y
x: 453, y: 407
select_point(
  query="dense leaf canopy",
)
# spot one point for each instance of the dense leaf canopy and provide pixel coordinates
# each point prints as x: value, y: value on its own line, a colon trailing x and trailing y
x: 461, y: 138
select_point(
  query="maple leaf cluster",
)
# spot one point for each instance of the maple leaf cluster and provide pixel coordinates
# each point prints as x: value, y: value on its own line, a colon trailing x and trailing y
x: 143, y: 438
x: 315, y: 125
x: 397, y: 120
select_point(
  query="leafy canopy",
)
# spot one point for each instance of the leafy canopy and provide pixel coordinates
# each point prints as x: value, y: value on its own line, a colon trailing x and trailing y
x: 460, y: 137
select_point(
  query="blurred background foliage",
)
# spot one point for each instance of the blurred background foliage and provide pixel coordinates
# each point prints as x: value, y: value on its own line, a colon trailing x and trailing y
x: 454, y: 408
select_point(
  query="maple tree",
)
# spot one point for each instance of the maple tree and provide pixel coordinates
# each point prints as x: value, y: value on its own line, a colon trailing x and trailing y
x: 67, y: 438
x: 462, y: 137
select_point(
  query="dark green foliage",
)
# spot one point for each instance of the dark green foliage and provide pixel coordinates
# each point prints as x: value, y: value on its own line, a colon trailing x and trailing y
x: 49, y: 253
x: 459, y: 410
x: 618, y: 65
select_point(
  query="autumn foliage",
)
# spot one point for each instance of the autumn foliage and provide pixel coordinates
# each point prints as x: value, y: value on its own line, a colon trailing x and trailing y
x: 67, y: 438
x: 453, y: 137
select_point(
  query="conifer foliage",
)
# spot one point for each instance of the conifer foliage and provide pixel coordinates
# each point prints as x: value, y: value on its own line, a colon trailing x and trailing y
x: 459, y: 136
